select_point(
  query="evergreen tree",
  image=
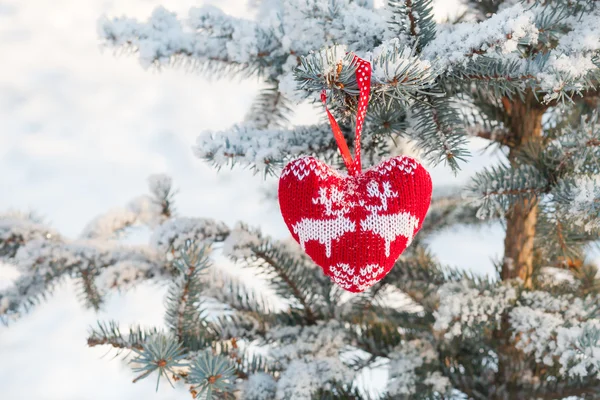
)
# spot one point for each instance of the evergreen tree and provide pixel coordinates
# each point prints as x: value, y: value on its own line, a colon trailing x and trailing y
x: 522, y: 75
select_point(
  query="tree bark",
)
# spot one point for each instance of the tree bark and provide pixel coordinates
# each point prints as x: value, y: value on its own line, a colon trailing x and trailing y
x: 524, y: 121
x: 525, y: 124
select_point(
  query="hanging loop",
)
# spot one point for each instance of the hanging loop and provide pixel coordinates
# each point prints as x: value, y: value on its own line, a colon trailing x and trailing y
x: 363, y: 79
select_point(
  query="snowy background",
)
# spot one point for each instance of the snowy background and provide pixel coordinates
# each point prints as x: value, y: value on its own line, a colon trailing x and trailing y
x: 80, y: 131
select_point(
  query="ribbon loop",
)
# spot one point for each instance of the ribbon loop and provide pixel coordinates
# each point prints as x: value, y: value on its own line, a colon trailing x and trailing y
x: 363, y: 79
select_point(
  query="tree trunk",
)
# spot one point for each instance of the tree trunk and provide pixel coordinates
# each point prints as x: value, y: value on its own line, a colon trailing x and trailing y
x: 524, y: 119
x: 525, y: 123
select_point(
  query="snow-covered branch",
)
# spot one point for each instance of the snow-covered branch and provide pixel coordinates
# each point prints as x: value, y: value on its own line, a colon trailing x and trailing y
x: 559, y: 331
x: 264, y: 151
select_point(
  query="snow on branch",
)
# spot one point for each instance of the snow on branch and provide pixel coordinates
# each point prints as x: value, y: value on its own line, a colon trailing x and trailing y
x: 413, y: 18
x: 149, y: 210
x: 541, y: 46
x: 164, y: 38
x: 497, y: 188
x: 559, y: 331
x: 292, y: 274
x: 399, y: 72
x: 573, y: 65
x: 578, y: 201
x: 464, y: 309
x: 211, y: 38
x: 17, y: 229
x: 175, y: 232
x: 437, y: 131
x: 185, y: 314
x: 503, y: 32
x: 311, y: 356
x: 266, y: 150
x: 407, y: 375
x: 97, y: 261
x: 44, y: 262
x: 576, y: 149
x: 270, y: 109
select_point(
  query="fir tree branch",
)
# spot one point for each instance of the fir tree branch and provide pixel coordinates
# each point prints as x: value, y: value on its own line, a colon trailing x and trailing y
x: 148, y: 210
x: 109, y: 333
x: 45, y: 262
x: 501, y: 136
x: 89, y: 290
x: 163, y: 40
x: 292, y: 274
x: 437, y: 131
x: 173, y: 234
x: 413, y: 18
x: 285, y: 277
x: 560, y: 238
x: 235, y: 293
x: 497, y: 188
x: 185, y: 313
x: 17, y: 229
x: 496, y: 76
x: 448, y: 208
x: 270, y: 109
x: 264, y: 151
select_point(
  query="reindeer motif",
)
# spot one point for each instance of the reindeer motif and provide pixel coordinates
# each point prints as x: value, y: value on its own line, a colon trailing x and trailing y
x: 388, y: 226
x: 326, y: 230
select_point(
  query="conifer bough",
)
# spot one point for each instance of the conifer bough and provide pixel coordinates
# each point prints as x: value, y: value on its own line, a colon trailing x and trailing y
x: 523, y: 75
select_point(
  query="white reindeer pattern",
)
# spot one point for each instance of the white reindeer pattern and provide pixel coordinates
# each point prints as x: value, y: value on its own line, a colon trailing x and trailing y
x: 389, y: 226
x: 327, y: 230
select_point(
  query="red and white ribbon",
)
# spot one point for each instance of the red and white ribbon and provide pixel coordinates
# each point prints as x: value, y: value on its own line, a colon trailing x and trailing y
x: 363, y: 78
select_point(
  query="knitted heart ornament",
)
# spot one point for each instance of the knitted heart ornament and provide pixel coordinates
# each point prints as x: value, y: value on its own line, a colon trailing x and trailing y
x: 354, y: 226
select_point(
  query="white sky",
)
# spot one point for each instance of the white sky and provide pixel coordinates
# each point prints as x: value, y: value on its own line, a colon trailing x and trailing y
x: 80, y: 130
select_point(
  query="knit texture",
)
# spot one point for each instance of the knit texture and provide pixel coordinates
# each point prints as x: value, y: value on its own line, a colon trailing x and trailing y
x: 354, y: 227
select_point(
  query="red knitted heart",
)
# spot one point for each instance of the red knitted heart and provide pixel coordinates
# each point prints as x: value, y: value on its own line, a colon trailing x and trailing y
x: 354, y: 226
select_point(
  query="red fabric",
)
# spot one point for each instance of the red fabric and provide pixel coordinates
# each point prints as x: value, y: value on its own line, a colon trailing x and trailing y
x: 363, y: 80
x: 354, y: 227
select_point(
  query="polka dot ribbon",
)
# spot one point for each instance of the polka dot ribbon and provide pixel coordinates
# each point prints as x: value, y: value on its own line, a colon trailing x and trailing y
x: 363, y: 78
